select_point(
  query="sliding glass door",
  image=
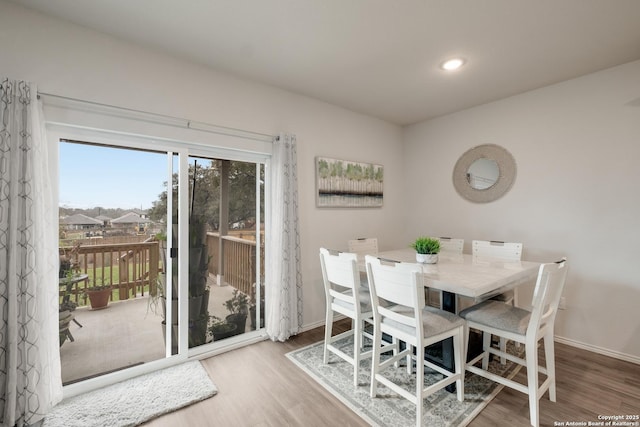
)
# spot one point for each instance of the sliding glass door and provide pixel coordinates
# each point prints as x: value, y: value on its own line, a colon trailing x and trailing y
x: 175, y: 242
x: 225, y: 248
x: 110, y: 258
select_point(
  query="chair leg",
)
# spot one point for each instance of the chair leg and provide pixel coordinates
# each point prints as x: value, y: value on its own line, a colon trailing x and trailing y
x: 375, y: 361
x: 514, y: 302
x: 503, y: 348
x: 531, y: 350
x: 503, y: 341
x: 549, y: 356
x: 396, y: 348
x: 357, y: 349
x: 419, y: 383
x: 486, y: 343
x: 459, y: 361
x: 328, y: 326
x: 465, y: 343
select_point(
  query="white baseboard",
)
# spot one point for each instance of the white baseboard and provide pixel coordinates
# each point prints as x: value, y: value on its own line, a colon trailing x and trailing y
x: 600, y: 350
x: 310, y: 326
x: 320, y: 323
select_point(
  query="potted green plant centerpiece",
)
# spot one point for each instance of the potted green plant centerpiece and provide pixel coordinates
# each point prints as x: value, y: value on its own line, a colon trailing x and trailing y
x: 427, y: 249
x: 99, y: 294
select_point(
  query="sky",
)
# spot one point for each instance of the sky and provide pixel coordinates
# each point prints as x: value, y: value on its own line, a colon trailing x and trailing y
x: 108, y: 177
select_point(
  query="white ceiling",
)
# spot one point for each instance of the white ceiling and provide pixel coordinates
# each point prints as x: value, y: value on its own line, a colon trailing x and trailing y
x: 379, y: 57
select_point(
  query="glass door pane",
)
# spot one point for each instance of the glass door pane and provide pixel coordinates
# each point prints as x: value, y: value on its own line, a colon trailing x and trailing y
x: 112, y: 223
x: 225, y: 199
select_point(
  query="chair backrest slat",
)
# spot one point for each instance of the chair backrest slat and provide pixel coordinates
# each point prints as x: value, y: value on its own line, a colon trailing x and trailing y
x: 547, y: 293
x: 494, y: 249
x: 447, y: 244
x: 339, y: 269
x: 364, y: 246
x: 341, y: 281
x: 398, y: 283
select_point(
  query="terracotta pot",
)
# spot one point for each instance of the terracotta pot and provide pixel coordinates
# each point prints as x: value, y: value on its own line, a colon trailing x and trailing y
x: 99, y: 299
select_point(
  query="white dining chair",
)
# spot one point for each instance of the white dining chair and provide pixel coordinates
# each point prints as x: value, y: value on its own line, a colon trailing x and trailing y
x: 497, y: 249
x: 345, y: 296
x: 397, y: 294
x: 504, y: 251
x: 364, y: 246
x: 525, y: 327
x: 448, y: 245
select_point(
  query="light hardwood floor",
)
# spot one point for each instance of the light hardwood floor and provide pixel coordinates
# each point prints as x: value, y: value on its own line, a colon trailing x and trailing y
x: 259, y: 386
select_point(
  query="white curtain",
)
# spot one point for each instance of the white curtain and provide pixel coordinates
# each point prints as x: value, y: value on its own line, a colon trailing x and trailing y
x: 283, y: 282
x: 30, y: 382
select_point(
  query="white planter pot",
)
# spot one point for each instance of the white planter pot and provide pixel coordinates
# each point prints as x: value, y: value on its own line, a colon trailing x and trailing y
x: 427, y: 258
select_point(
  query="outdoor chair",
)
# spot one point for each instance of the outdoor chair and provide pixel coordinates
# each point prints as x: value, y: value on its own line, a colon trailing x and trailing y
x: 64, y: 319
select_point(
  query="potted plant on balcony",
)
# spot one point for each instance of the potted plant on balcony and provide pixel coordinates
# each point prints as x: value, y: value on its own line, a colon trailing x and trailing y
x: 157, y: 303
x: 68, y: 260
x: 427, y: 250
x: 198, y: 289
x: 238, y: 308
x: 99, y: 294
x: 221, y: 329
x: 254, y: 307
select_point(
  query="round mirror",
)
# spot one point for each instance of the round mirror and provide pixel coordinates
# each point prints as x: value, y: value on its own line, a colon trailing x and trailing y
x: 484, y: 173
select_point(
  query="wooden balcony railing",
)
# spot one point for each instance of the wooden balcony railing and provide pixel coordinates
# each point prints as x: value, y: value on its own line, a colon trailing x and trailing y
x: 239, y: 261
x: 128, y: 267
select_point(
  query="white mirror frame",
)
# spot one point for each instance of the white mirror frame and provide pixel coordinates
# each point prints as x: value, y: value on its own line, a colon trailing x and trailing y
x: 506, y: 175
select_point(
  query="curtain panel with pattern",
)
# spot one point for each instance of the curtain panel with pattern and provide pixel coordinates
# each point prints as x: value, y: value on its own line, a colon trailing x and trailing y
x: 283, y: 276
x: 30, y: 382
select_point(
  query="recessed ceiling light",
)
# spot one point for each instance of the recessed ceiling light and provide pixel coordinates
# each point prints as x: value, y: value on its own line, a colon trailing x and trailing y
x: 452, y: 64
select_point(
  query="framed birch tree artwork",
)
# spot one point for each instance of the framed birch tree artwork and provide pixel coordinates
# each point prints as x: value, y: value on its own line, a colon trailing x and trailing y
x: 346, y: 184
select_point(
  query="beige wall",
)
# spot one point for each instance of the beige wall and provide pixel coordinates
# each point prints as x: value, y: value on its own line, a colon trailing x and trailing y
x: 577, y: 148
x: 68, y: 60
x: 576, y: 144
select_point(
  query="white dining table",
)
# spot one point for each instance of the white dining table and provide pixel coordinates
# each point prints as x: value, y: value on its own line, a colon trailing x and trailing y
x: 476, y: 277
x: 468, y: 275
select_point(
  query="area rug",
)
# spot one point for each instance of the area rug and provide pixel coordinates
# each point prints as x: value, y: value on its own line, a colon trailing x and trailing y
x: 134, y: 401
x: 441, y: 409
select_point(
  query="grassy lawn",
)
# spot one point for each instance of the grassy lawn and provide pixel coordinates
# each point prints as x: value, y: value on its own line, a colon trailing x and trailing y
x: 104, y: 275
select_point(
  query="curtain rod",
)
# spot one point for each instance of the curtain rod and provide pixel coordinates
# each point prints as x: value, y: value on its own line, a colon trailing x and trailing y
x: 165, y: 119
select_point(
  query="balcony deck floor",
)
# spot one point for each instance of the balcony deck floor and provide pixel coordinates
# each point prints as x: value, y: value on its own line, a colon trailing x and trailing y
x: 125, y: 334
